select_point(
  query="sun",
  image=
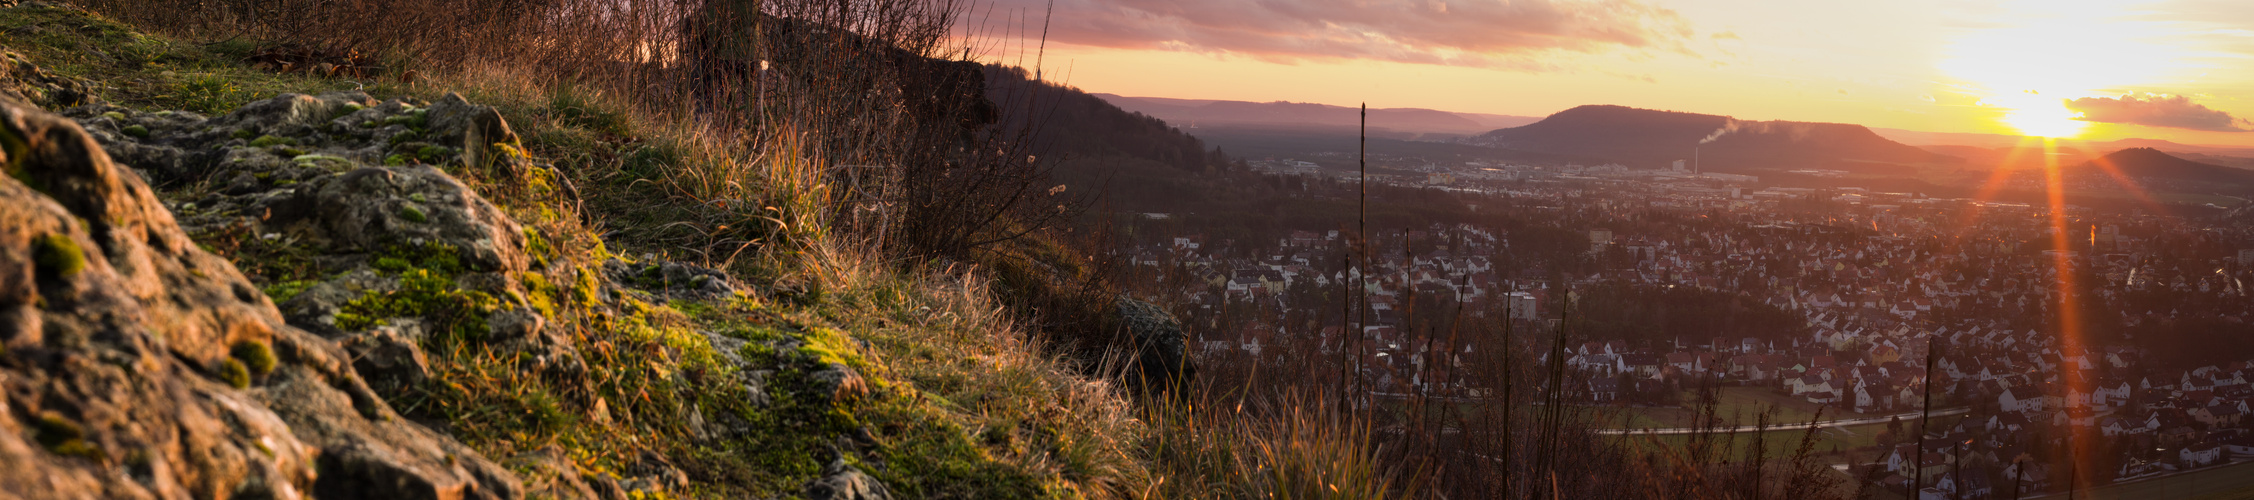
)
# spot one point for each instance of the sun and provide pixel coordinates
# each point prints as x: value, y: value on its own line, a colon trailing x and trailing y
x: 2040, y: 116
x: 2028, y: 65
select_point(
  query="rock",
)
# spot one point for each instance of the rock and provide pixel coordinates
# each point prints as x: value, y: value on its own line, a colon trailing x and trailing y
x: 548, y: 473
x: 841, y: 481
x: 118, y: 329
x: 673, y: 279
x: 352, y: 181
x: 27, y: 83
x: 525, y: 331
x: 1162, y: 355
x: 390, y: 357
x: 653, y: 476
x: 484, y: 138
x: 840, y: 383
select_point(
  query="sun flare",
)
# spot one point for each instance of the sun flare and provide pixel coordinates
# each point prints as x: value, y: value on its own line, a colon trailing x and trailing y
x: 2027, y: 67
x: 2041, y: 116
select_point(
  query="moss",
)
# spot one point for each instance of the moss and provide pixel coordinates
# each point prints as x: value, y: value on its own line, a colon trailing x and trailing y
x: 136, y: 131
x: 433, y: 153
x: 413, y: 119
x: 540, y: 293
x: 395, y: 160
x: 412, y: 214
x: 537, y: 247
x: 256, y: 356
x: 235, y: 373
x: 269, y: 141
x: 426, y: 290
x: 587, y: 289
x: 79, y: 448
x: 58, y: 256
x: 282, y: 291
x: 52, y: 429
x: 405, y: 137
x: 114, y: 116
x: 392, y: 264
x: 288, y: 152
x: 243, y: 133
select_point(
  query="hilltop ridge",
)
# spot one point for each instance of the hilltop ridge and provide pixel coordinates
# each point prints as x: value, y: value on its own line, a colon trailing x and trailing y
x: 1644, y: 138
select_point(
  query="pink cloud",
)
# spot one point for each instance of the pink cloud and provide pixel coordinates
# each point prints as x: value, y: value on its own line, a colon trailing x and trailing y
x: 1484, y: 33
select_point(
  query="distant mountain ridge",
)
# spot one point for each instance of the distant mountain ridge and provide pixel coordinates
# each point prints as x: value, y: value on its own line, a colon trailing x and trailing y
x: 1645, y: 138
x: 2149, y: 163
x: 1929, y: 139
x: 1192, y: 112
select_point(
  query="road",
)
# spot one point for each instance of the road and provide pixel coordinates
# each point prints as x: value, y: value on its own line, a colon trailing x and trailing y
x: 1906, y: 417
x: 2226, y: 481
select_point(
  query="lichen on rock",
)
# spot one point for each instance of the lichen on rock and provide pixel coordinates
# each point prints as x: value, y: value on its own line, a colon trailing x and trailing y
x: 130, y: 351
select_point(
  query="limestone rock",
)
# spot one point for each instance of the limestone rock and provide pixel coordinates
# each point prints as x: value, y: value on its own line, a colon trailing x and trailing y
x: 27, y: 83
x: 138, y: 365
x: 356, y: 182
x: 673, y: 279
x: 844, y: 482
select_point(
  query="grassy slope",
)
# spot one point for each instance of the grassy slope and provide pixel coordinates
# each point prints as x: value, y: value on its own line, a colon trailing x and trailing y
x: 961, y: 406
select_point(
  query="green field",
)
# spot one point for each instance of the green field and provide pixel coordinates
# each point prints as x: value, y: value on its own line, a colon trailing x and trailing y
x: 1735, y: 405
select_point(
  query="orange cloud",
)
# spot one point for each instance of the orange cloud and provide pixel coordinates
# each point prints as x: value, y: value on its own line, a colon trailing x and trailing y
x: 2157, y: 110
x: 1479, y: 33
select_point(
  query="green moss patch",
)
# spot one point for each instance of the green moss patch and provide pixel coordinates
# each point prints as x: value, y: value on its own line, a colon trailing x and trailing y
x: 234, y: 373
x: 57, y: 256
x: 255, y: 356
x: 270, y: 141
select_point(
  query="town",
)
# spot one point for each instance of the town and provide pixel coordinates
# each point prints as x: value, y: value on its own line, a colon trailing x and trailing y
x: 2095, y: 327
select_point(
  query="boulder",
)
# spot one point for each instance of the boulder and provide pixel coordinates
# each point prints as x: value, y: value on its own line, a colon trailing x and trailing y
x: 1162, y: 353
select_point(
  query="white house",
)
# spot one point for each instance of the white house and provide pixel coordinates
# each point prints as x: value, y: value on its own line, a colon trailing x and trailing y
x: 2200, y: 455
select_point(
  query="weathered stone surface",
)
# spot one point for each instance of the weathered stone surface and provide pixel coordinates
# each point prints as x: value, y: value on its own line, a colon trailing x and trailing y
x: 123, y: 373
x: 844, y: 482
x: 673, y: 279
x: 352, y: 180
x: 24, y: 82
x: 554, y: 476
x: 388, y: 356
x: 1161, y: 349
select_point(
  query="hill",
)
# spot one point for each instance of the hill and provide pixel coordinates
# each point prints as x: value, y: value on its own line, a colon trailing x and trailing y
x: 2154, y: 165
x: 1643, y: 138
x: 1077, y: 124
x: 1404, y: 123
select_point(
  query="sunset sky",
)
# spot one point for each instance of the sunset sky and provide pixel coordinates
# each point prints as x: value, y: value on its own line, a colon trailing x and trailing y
x: 2180, y: 70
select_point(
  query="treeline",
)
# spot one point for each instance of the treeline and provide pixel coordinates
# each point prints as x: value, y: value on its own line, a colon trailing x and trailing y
x: 1073, y: 124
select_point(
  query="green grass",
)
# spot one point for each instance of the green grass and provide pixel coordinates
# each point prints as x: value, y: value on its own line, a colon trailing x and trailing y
x: 1735, y: 405
x: 145, y: 72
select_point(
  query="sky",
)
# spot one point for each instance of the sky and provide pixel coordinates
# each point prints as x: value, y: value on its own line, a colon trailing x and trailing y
x: 2179, y: 70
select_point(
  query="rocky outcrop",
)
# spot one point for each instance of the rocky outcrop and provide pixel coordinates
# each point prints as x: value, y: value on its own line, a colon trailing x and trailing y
x: 350, y: 181
x: 137, y: 365
x: 1161, y: 350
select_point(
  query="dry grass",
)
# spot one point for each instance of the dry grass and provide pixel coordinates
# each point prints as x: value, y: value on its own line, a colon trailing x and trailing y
x: 865, y: 266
